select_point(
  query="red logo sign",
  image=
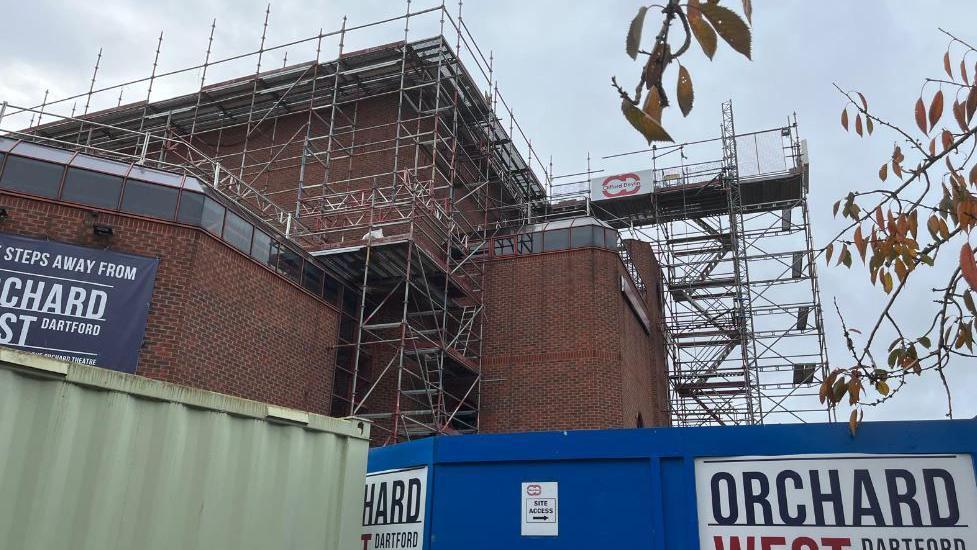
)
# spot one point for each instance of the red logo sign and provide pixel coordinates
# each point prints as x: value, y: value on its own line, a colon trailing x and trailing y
x: 533, y: 490
x: 621, y: 185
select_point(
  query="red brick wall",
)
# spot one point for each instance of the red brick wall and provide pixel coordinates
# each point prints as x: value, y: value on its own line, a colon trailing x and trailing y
x: 218, y: 320
x: 562, y: 348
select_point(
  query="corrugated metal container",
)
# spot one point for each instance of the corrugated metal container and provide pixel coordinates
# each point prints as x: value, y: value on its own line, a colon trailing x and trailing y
x: 92, y: 459
x: 686, y: 488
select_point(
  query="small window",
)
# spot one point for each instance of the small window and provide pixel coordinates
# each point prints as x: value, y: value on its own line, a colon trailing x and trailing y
x: 529, y: 243
x: 261, y: 247
x: 149, y: 199
x: 505, y: 246
x: 611, y: 236
x: 237, y: 232
x: 92, y: 188
x: 312, y: 278
x: 191, y: 208
x: 330, y: 290
x: 581, y: 236
x: 212, y: 216
x: 558, y: 239
x: 290, y: 264
x: 598, y: 232
x: 32, y: 176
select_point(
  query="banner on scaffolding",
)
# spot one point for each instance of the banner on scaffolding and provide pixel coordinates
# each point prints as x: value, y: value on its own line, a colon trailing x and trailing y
x: 618, y: 186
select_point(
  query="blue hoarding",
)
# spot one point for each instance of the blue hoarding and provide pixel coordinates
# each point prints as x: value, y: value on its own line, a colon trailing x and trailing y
x: 895, y: 486
x: 74, y: 303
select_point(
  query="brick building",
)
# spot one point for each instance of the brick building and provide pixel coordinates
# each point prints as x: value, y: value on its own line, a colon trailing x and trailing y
x: 361, y: 236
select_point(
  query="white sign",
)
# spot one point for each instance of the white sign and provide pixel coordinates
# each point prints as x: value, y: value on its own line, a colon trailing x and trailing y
x: 540, y: 508
x: 393, y: 509
x: 619, y: 186
x: 837, y: 502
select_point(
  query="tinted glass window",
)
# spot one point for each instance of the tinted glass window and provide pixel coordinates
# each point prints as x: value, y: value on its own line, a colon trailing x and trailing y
x: 505, y: 246
x: 312, y: 278
x: 191, y: 208
x: 598, y: 235
x: 149, y: 199
x: 261, y: 247
x: 582, y: 236
x: 212, y: 216
x: 611, y: 236
x: 31, y: 176
x: 532, y: 242
x: 330, y: 290
x: 237, y: 232
x: 92, y: 188
x: 290, y: 264
x: 558, y: 239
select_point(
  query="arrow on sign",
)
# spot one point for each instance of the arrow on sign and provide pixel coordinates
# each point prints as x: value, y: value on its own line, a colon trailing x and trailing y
x: 544, y: 518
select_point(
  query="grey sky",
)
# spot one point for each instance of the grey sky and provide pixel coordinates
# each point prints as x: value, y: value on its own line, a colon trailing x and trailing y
x: 553, y: 61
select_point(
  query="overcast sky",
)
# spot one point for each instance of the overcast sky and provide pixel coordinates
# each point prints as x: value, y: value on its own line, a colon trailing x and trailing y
x: 553, y: 61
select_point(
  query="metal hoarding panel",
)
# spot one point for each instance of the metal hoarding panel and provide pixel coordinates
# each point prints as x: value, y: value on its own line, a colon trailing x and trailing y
x: 99, y: 460
x: 638, y: 488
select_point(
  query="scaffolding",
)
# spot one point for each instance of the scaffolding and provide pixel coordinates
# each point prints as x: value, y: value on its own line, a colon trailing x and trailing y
x: 730, y: 228
x: 394, y: 165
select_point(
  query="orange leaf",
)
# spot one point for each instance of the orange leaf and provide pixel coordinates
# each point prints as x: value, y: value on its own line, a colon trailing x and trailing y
x: 858, y: 124
x: 844, y: 119
x: 860, y: 243
x: 972, y: 102
x: 853, y: 422
x: 947, y: 139
x: 921, y: 115
x: 968, y: 266
x: 961, y: 116
x: 936, y: 108
x: 653, y: 104
x: 702, y: 30
x: 684, y: 92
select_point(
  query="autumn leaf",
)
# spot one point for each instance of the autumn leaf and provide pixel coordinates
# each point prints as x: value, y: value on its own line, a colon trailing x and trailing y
x: 858, y: 124
x: 973, y: 175
x: 968, y: 266
x: 653, y: 105
x: 972, y: 102
x: 701, y: 30
x: 869, y: 125
x: 884, y: 172
x: 634, y: 33
x: 947, y: 139
x: 959, y: 113
x: 649, y: 127
x: 684, y: 92
x: 963, y: 72
x: 853, y: 422
x: 828, y: 251
x: 936, y: 108
x: 946, y: 64
x: 748, y: 11
x: 860, y: 243
x: 844, y: 119
x: 921, y: 115
x: 729, y: 26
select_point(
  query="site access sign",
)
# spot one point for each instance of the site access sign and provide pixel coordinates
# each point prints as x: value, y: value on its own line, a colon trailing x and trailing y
x: 394, y: 503
x: 540, y: 508
x: 837, y: 502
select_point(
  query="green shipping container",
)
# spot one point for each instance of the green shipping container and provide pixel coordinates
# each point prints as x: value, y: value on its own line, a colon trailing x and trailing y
x: 92, y: 459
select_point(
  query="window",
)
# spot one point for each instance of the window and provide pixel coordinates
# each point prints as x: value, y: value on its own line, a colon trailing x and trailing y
x: 351, y: 302
x: 581, y: 236
x: 611, y: 236
x: 31, y: 176
x: 149, y: 199
x: 531, y: 242
x: 504, y: 246
x: 261, y: 247
x: 330, y: 290
x: 237, y: 232
x: 92, y: 188
x: 598, y: 232
x: 290, y: 264
x: 191, y: 208
x: 212, y: 216
x: 312, y: 278
x: 558, y: 239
